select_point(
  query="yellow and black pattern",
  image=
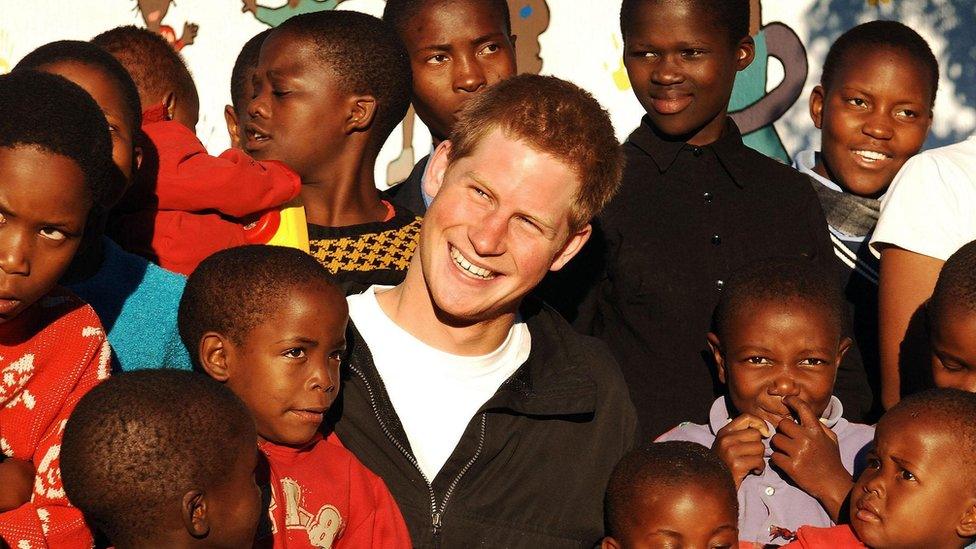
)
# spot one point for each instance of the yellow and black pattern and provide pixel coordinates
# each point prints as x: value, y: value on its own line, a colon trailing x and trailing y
x: 380, y: 252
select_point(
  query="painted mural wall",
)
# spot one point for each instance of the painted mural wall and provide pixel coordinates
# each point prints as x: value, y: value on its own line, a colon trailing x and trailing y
x: 574, y: 39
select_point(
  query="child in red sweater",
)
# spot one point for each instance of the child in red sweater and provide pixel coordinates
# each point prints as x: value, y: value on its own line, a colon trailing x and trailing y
x: 184, y: 204
x: 919, y: 487
x: 265, y: 321
x: 55, y: 156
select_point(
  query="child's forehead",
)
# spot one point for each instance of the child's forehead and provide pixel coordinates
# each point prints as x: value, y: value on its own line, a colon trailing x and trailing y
x: 433, y: 19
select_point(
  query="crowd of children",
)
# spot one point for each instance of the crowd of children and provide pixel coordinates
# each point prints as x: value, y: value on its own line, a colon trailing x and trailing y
x: 734, y: 352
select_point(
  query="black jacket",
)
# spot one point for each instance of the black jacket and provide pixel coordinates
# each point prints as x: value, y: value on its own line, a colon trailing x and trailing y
x: 408, y: 193
x: 530, y: 469
x: 686, y: 218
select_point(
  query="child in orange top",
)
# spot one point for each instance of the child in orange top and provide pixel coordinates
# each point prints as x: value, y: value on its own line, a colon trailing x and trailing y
x: 264, y: 321
x: 919, y: 487
x: 55, y: 155
x: 185, y: 204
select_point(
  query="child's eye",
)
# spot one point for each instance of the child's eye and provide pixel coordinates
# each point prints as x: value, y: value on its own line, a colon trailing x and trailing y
x: 693, y: 53
x: 337, y: 355
x: 51, y: 233
x: 490, y: 48
x: 906, y: 113
x: 813, y: 362
x: 294, y: 352
x: 437, y: 59
x: 757, y: 360
x: 872, y: 463
x: 856, y: 101
x: 280, y: 93
x: 905, y: 474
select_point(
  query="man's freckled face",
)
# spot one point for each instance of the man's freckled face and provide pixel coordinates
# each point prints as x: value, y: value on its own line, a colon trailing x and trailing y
x: 953, y: 349
x: 682, y: 516
x: 682, y: 67
x: 780, y: 349
x: 873, y: 117
x: 457, y: 48
x: 297, y: 112
x: 287, y: 368
x: 915, y: 488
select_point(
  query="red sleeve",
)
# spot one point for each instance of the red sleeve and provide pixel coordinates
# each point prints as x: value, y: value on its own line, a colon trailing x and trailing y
x: 49, y: 520
x: 191, y: 180
x: 382, y: 525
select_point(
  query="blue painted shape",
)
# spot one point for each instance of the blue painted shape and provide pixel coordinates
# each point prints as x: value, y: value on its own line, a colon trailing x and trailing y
x: 525, y: 12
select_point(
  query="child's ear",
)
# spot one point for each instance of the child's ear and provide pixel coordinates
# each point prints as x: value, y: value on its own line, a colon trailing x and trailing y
x: 436, y: 168
x: 967, y: 526
x: 169, y: 101
x: 715, y: 345
x: 609, y: 543
x: 816, y: 105
x: 572, y: 247
x: 193, y: 512
x: 213, y: 354
x: 361, y: 114
x: 845, y: 345
x: 137, y: 157
x: 745, y: 52
x: 230, y: 117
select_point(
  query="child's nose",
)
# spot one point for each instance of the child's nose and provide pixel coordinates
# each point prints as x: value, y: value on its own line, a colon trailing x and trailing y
x: 257, y: 107
x: 878, y: 126
x: 667, y: 72
x: 488, y: 236
x: 14, y: 253
x: 469, y: 75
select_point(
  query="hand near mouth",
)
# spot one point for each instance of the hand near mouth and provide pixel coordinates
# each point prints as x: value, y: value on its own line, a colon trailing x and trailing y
x: 808, y: 452
x: 739, y: 445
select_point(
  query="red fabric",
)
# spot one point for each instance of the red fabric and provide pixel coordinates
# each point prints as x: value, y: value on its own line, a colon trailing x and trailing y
x: 323, y: 497
x: 835, y: 537
x: 50, y: 356
x: 188, y: 206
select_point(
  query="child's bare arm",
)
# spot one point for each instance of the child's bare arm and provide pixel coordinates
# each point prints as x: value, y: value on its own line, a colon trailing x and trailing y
x: 16, y: 483
x: 739, y: 445
x: 808, y: 452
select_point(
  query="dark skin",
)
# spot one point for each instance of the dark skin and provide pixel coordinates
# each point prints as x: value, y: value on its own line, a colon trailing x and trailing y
x: 17, y: 478
x: 952, y: 347
x: 779, y: 362
x: 302, y: 116
x: 682, y: 65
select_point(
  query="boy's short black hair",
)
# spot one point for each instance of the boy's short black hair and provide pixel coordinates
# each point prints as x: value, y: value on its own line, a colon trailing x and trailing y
x: 88, y: 54
x: 780, y: 280
x: 247, y: 60
x: 234, y: 290
x: 365, y: 55
x: 881, y: 34
x: 137, y: 442
x: 649, y: 468
x: 952, y: 408
x: 956, y: 287
x: 398, y: 12
x: 152, y: 62
x: 43, y: 110
x: 731, y: 16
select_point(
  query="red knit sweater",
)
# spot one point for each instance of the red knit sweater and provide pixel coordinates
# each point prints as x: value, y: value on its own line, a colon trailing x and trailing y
x: 50, y: 356
x: 186, y: 204
x: 323, y: 497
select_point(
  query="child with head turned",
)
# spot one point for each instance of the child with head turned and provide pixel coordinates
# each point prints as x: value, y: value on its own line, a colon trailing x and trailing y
x: 778, y: 339
x: 242, y: 89
x: 951, y: 320
x: 184, y: 204
x: 135, y: 299
x: 55, y: 166
x: 266, y: 322
x: 695, y: 205
x: 671, y: 494
x: 457, y: 50
x: 329, y: 89
x: 918, y: 489
x: 873, y: 108
x: 163, y: 458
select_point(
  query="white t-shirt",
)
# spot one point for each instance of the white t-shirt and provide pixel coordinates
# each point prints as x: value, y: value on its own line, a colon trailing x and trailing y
x: 930, y: 208
x: 435, y: 394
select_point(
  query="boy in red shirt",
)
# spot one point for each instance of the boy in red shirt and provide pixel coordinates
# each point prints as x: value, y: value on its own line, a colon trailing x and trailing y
x: 184, y: 204
x: 265, y: 321
x: 55, y: 156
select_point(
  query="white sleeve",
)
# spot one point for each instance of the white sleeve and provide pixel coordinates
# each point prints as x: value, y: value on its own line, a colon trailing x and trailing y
x: 928, y: 209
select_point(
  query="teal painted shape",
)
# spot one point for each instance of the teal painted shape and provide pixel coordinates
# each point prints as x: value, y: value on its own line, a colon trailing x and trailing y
x: 273, y: 17
x: 749, y: 87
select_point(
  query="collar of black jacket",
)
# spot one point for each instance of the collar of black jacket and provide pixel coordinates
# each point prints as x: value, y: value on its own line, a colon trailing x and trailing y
x: 729, y: 149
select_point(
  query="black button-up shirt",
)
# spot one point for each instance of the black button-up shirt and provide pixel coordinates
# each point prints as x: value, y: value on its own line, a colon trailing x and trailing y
x: 686, y: 217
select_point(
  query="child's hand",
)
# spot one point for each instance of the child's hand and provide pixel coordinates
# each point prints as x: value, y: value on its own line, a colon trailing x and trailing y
x: 807, y: 451
x: 16, y: 483
x: 739, y: 445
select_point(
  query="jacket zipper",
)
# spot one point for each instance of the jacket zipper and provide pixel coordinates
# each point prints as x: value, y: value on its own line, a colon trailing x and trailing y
x: 436, y: 512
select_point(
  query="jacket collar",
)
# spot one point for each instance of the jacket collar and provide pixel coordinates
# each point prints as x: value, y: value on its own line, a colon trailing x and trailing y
x: 728, y: 148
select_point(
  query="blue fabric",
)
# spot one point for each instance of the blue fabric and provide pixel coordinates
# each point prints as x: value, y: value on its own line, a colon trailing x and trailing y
x: 137, y: 303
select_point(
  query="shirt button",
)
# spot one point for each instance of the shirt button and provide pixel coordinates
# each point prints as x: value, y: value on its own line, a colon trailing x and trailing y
x: 697, y: 151
x: 716, y: 239
x: 707, y: 197
x: 770, y: 490
x: 719, y: 284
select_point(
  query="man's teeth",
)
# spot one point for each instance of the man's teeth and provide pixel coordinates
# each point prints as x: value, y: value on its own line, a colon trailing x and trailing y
x: 871, y: 156
x: 467, y: 266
